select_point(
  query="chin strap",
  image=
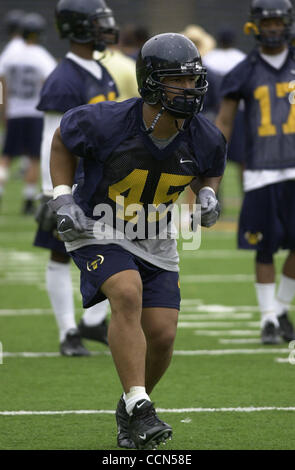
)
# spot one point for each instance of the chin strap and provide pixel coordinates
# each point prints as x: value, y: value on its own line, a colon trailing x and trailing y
x: 155, y: 121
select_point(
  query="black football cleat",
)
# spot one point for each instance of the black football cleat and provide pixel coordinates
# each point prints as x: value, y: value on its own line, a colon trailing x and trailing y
x: 286, y: 328
x: 122, y: 418
x: 146, y: 430
x: 97, y: 332
x: 270, y: 334
x: 72, y: 344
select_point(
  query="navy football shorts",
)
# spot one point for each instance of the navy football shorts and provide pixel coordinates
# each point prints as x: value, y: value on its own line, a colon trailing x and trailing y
x: 50, y: 240
x: 99, y: 262
x: 23, y: 137
x: 267, y: 221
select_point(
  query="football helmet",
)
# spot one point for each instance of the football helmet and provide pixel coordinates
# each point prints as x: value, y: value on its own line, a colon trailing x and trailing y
x: 12, y: 21
x: 85, y: 21
x: 167, y: 55
x: 264, y: 9
x: 32, y: 24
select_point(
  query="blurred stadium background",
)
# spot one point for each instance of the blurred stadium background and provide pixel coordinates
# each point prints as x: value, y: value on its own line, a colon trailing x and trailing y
x: 157, y: 16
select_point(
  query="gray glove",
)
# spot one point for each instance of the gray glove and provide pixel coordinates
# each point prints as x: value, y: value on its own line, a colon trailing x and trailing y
x: 210, y: 207
x: 71, y: 220
x: 44, y: 215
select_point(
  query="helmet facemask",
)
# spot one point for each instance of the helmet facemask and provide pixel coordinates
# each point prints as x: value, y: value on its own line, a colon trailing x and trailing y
x: 272, y: 38
x: 186, y: 101
x: 104, y: 30
x: 270, y: 10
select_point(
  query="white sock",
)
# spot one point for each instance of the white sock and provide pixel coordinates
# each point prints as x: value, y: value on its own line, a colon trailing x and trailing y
x: 30, y: 191
x: 96, y: 314
x: 135, y: 394
x: 4, y: 174
x: 60, y: 291
x: 266, y: 300
x: 285, y: 295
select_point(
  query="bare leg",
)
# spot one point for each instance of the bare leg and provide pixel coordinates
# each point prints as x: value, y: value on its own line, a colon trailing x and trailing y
x: 125, y: 335
x: 159, y: 326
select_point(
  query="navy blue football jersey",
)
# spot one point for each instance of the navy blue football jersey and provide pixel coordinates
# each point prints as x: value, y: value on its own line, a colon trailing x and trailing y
x: 70, y: 85
x: 121, y: 161
x: 269, y: 114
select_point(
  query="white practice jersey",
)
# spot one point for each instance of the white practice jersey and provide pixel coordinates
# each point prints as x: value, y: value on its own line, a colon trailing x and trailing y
x: 222, y: 61
x: 10, y: 48
x: 25, y: 70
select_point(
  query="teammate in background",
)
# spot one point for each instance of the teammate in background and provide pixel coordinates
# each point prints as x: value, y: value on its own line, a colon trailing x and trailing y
x: 132, y: 38
x: 12, y: 24
x: 222, y: 60
x: 267, y: 215
x: 24, y: 68
x: 88, y: 25
x: 132, y: 156
x: 205, y: 43
x: 122, y: 69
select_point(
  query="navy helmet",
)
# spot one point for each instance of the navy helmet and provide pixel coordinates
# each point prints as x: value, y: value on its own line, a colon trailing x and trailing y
x: 171, y: 54
x: 85, y: 21
x: 266, y: 9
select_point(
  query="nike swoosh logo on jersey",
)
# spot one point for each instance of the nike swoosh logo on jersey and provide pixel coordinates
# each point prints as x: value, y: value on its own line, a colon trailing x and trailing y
x: 142, y: 436
x: 185, y: 161
x: 63, y: 220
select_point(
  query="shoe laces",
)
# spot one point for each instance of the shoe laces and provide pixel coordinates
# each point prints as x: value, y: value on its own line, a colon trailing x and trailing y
x: 149, y: 415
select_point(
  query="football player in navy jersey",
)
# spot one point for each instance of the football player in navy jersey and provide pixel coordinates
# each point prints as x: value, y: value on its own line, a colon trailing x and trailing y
x: 138, y: 156
x: 264, y: 81
x: 89, y: 25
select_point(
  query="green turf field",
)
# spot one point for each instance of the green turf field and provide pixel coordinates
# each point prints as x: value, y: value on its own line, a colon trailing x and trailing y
x: 223, y: 390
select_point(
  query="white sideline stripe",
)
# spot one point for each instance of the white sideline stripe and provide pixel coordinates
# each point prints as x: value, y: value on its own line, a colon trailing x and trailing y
x: 282, y: 360
x: 215, y: 316
x: 220, y: 324
x: 224, y: 254
x: 221, y: 278
x: 249, y: 409
x: 200, y: 352
x: 239, y: 341
x: 226, y: 332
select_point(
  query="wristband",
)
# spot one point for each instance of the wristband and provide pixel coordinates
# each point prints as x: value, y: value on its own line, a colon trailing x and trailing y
x: 207, y: 187
x: 61, y: 190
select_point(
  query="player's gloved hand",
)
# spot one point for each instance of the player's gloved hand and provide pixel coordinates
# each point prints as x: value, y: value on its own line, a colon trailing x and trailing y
x: 44, y: 215
x: 210, y: 207
x: 71, y: 220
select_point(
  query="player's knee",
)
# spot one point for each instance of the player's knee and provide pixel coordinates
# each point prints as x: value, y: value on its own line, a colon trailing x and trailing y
x: 163, y: 339
x: 126, y: 299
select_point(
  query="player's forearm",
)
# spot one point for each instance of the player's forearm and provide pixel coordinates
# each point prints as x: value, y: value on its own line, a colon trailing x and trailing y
x: 62, y: 162
x: 226, y: 116
x: 200, y: 182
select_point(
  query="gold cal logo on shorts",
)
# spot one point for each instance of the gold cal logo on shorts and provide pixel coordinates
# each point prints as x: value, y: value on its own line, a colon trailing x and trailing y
x: 92, y: 265
x: 253, y: 238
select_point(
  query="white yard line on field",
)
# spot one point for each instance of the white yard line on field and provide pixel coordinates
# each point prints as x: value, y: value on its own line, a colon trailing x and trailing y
x: 249, y: 409
x: 200, y: 352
